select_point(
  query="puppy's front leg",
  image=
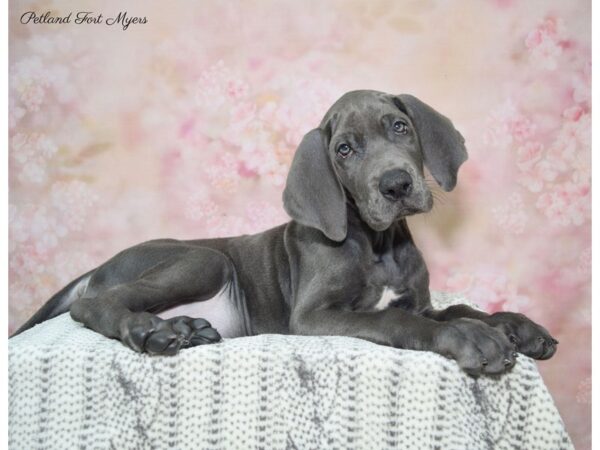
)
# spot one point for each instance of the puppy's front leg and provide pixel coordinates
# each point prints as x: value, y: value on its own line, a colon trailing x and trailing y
x: 527, y: 336
x: 476, y: 347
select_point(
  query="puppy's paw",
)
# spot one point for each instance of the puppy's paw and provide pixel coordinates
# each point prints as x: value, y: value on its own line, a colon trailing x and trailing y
x: 145, y: 332
x: 195, y: 331
x: 527, y: 336
x: 476, y: 347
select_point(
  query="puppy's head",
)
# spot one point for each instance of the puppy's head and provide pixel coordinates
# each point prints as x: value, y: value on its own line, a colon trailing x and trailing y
x: 370, y: 149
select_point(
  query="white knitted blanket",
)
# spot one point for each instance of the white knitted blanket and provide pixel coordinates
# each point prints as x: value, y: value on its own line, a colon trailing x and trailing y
x: 71, y: 388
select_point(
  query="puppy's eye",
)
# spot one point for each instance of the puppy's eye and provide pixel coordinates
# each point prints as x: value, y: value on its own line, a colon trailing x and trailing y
x: 344, y: 150
x: 400, y: 127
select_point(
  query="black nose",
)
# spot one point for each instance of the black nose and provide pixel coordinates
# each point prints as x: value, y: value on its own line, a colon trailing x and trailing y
x: 395, y: 184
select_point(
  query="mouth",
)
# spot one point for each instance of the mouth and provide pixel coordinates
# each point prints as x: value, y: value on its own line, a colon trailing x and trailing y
x: 421, y: 205
x: 380, y: 212
x: 409, y: 211
x: 381, y: 216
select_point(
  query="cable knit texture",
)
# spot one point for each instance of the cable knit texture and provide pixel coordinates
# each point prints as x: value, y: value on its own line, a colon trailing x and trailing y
x: 73, y: 388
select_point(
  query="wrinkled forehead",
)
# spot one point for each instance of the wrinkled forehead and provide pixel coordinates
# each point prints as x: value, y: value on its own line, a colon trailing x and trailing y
x: 360, y: 112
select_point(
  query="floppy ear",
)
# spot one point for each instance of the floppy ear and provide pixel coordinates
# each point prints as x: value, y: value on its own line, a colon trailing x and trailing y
x: 313, y: 194
x: 442, y: 145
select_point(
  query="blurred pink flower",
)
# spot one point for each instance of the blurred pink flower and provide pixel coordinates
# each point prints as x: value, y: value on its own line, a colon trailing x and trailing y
x: 567, y: 203
x: 223, y: 173
x: 198, y: 207
x: 15, y: 113
x: 268, y: 114
x: 528, y: 154
x: 489, y: 287
x: 45, y: 230
x: 516, y: 303
x: 69, y: 264
x: 506, y: 124
x: 585, y: 262
x: 534, y: 178
x: 27, y: 294
x: 581, y: 83
x: 219, y: 85
x: 584, y: 391
x: 28, y: 77
x: 544, y: 42
x: 572, y: 143
x: 45, y: 226
x: 72, y: 202
x: 31, y: 153
x: 227, y: 225
x: 50, y: 45
x: 511, y: 217
x: 27, y: 261
x: 573, y: 113
x: 265, y: 159
x: 263, y: 215
x: 459, y: 282
x: 241, y: 115
x: 236, y: 89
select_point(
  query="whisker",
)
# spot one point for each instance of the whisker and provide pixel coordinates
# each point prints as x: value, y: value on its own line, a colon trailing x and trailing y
x: 439, y: 197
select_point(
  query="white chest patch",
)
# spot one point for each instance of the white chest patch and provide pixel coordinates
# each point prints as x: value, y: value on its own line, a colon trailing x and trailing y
x: 387, y: 296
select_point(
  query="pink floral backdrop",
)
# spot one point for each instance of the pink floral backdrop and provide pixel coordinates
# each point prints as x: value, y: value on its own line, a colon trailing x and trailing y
x: 185, y: 127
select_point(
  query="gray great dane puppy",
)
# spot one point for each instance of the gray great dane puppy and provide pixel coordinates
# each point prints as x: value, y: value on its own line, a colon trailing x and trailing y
x: 345, y: 265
